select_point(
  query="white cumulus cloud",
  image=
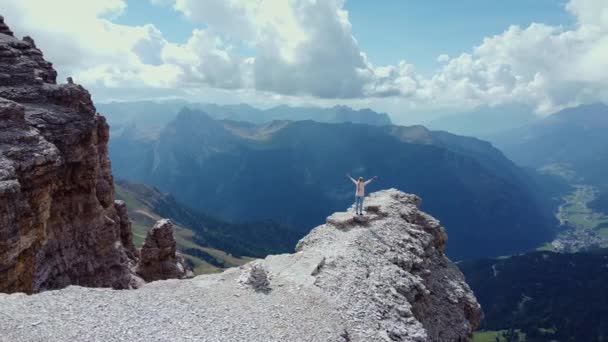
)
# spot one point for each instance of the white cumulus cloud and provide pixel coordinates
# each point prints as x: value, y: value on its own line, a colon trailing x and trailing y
x: 80, y: 38
x: 287, y: 49
x: 544, y: 66
x: 303, y: 47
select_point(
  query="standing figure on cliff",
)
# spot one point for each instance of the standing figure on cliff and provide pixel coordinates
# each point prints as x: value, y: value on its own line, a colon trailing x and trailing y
x: 360, y: 192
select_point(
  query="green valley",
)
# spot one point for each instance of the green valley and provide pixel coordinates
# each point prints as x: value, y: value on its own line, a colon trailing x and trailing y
x: 586, y: 228
x: 143, y: 217
x: 499, y: 336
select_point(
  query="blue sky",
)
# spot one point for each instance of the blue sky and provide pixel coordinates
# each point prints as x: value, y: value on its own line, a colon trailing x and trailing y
x: 417, y: 31
x: 543, y: 54
x: 171, y: 23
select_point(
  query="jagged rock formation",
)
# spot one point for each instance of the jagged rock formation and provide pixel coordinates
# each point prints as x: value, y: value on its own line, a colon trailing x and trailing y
x: 258, y: 278
x: 59, y: 223
x: 159, y: 259
x: 383, y: 278
x: 3, y: 28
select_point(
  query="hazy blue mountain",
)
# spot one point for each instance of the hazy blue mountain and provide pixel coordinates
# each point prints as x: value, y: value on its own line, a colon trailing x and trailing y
x: 548, y: 296
x: 144, y: 118
x: 294, y: 172
x: 147, y: 118
x: 573, y: 141
x: 574, y: 136
x: 485, y: 121
x: 336, y: 114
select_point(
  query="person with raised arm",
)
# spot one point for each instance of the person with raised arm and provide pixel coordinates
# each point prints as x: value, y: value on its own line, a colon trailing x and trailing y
x: 360, y: 192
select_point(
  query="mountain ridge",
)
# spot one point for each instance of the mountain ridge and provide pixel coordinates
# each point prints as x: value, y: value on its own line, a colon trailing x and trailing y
x: 295, y: 173
x: 572, y: 145
x: 142, y: 212
x: 146, y: 118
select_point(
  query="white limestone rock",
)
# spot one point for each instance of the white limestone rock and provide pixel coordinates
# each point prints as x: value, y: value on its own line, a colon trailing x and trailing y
x: 385, y: 280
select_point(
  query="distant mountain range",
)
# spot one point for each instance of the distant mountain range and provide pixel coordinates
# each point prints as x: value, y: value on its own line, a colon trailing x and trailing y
x: 572, y: 143
x: 294, y: 172
x: 485, y: 121
x: 147, y: 118
x: 546, y: 296
x: 208, y: 243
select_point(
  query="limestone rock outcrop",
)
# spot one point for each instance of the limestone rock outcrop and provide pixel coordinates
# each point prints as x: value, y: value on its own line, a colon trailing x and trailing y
x: 159, y: 259
x: 59, y: 223
x: 382, y: 278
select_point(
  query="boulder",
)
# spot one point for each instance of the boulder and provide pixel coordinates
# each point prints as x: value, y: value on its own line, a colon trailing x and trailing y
x: 158, y: 256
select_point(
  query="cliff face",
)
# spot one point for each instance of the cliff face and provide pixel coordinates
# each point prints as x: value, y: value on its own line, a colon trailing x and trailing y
x: 59, y: 224
x: 380, y: 277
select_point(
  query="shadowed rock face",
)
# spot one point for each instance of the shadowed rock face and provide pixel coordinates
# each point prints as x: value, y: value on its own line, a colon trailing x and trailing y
x: 59, y: 224
x: 380, y: 277
x: 159, y: 258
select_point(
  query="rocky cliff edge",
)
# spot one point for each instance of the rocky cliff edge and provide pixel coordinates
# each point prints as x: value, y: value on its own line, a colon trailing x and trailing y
x: 380, y: 277
x: 59, y: 223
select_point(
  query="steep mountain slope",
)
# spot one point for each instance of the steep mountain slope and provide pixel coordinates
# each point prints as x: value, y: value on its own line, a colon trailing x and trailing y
x: 548, y: 296
x: 142, y: 203
x: 573, y: 145
x: 574, y: 139
x: 210, y: 243
x: 379, y: 278
x: 294, y: 172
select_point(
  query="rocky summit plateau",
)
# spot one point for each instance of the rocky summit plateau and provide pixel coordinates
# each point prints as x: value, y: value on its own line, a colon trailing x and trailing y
x: 379, y: 277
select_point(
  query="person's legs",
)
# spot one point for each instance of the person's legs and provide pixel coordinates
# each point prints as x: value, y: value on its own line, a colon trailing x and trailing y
x: 358, y: 204
x: 361, y: 205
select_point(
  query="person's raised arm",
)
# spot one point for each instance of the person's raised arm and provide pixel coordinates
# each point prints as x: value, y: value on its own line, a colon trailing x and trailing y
x: 370, y: 180
x: 351, y: 179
